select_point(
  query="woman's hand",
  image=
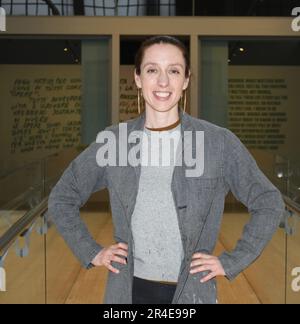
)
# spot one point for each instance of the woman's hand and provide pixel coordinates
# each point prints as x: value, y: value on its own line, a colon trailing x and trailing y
x: 205, y: 262
x: 111, y: 253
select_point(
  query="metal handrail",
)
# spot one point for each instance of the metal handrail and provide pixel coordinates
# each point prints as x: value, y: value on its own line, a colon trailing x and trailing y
x: 9, y: 237
x: 292, y: 204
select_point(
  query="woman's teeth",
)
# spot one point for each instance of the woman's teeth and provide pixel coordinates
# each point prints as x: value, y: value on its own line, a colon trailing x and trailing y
x: 162, y: 95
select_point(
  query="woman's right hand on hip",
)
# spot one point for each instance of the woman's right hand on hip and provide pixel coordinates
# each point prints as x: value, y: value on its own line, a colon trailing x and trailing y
x: 114, y: 253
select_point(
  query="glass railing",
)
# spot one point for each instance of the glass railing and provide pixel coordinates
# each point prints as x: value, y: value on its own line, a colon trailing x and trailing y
x: 288, y: 178
x: 23, y: 188
x: 272, y: 279
x: 23, y: 262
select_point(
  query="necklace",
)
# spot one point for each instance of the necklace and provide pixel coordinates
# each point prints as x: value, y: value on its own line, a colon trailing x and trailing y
x: 165, y: 128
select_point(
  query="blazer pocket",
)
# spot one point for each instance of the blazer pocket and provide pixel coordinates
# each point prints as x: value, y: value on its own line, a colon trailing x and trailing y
x: 208, y: 183
x: 201, y: 196
x: 199, y: 184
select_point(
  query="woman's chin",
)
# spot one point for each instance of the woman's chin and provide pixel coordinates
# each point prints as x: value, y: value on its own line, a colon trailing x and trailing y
x: 161, y: 108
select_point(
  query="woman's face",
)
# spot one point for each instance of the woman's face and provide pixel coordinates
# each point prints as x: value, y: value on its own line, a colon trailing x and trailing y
x: 162, y: 77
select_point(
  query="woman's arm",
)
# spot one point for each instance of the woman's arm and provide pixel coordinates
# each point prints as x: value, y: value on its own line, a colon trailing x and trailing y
x: 264, y: 201
x: 82, y: 177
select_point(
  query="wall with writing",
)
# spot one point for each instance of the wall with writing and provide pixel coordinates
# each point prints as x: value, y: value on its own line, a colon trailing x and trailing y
x: 40, y: 111
x: 263, y: 107
x: 128, y: 94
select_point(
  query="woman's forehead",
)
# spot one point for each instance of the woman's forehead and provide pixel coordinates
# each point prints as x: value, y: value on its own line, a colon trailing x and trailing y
x: 158, y: 53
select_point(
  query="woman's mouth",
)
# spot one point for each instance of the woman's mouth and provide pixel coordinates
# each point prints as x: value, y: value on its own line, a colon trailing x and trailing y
x: 162, y: 95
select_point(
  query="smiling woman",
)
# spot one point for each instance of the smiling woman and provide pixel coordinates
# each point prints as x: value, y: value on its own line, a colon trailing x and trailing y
x: 166, y: 221
x: 162, y: 72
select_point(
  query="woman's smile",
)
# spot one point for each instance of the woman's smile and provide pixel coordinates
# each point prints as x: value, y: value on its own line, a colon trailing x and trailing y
x: 162, y: 95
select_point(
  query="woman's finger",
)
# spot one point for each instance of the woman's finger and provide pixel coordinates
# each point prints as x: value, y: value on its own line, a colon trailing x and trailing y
x: 201, y: 255
x: 122, y: 246
x: 118, y: 259
x: 120, y: 252
x: 200, y: 269
x: 112, y: 269
x: 210, y: 276
x: 202, y: 262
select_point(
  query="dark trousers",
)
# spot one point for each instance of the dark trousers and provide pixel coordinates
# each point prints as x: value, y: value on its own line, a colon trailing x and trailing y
x: 149, y: 292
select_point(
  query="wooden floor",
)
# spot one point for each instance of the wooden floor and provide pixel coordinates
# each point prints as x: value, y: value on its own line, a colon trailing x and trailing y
x: 89, y: 285
x: 67, y: 282
x: 262, y: 283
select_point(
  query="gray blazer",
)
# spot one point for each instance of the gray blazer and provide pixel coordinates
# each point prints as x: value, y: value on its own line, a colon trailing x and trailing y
x: 199, y: 203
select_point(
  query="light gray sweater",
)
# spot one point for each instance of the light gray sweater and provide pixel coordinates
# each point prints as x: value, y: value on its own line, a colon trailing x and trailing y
x: 158, y: 250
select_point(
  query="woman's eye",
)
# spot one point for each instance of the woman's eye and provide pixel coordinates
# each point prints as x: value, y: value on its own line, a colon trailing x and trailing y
x: 174, y: 72
x: 151, y: 71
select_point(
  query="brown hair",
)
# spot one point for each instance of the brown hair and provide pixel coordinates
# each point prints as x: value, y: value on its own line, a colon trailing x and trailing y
x: 162, y: 40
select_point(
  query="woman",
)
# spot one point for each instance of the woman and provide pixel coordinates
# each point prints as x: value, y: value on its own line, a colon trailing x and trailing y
x: 166, y: 220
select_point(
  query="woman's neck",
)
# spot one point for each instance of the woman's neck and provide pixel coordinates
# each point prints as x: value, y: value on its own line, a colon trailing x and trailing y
x: 156, y: 119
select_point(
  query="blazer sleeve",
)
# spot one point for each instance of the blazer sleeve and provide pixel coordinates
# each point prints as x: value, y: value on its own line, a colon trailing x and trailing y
x: 263, y: 200
x: 82, y: 177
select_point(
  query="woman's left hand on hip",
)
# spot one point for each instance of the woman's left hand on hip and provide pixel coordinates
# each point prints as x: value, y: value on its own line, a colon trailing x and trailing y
x: 205, y: 262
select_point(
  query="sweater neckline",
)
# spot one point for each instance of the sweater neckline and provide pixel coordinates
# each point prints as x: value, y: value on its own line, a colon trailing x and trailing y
x: 174, y: 125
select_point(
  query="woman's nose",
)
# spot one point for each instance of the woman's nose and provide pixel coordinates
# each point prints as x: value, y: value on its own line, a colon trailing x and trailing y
x: 163, y: 79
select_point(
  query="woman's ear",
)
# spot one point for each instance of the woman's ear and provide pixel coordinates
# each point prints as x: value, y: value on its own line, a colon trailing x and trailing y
x: 187, y: 81
x: 137, y: 79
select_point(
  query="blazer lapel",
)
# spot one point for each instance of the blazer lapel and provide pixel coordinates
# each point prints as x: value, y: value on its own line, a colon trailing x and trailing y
x: 134, y: 148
